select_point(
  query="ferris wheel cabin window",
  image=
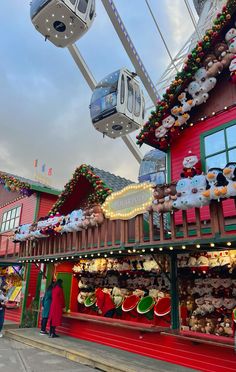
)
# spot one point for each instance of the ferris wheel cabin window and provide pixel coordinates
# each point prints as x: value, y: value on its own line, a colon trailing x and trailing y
x: 73, y: 2
x: 219, y: 146
x: 130, y: 95
x: 137, y: 100
x: 122, y: 90
x: 10, y: 219
x: 82, y: 6
x: 92, y: 10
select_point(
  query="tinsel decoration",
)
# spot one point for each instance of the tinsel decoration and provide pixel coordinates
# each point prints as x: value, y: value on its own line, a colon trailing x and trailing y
x: 11, y: 183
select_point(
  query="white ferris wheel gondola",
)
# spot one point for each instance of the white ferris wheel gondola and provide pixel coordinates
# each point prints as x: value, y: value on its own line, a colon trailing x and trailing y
x: 117, y: 104
x: 62, y: 21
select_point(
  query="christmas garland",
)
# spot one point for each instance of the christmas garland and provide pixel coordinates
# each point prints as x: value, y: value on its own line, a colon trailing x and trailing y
x: 100, y: 193
x: 183, y: 77
x: 12, y: 183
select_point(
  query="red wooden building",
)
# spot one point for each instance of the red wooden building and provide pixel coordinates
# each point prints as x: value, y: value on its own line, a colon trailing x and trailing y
x: 21, y: 201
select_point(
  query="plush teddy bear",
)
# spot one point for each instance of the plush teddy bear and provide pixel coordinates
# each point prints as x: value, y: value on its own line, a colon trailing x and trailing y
x: 210, y: 326
x: 228, y: 326
x: 169, y: 196
x: 198, y: 186
x: 181, y: 117
x: 230, y: 39
x: 183, y: 189
x: 223, y: 54
x: 206, y: 83
x: 186, y: 104
x: 192, y: 166
x: 212, y: 65
x: 197, y: 93
x: 158, y: 199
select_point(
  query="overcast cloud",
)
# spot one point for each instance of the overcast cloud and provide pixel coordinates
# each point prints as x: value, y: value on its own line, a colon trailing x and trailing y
x: 44, y: 99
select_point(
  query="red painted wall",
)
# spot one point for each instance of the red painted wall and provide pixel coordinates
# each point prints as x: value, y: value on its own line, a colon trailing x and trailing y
x: 190, y: 140
x: 32, y: 284
x: 45, y: 204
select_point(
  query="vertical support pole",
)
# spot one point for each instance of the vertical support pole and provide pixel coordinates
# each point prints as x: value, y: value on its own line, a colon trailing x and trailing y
x: 27, y: 278
x: 174, y: 292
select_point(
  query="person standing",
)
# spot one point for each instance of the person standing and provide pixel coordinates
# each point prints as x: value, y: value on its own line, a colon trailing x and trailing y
x: 56, y: 309
x: 46, y: 303
x: 2, y: 310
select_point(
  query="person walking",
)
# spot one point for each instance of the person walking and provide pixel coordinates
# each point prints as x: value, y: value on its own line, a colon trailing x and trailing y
x: 46, y: 303
x: 2, y: 310
x: 56, y: 309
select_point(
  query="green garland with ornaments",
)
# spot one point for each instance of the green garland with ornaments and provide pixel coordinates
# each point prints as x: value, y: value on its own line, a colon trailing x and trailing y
x: 183, y: 77
x: 12, y: 183
x: 100, y: 193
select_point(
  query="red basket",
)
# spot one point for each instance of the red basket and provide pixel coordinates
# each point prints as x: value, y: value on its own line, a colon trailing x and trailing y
x: 162, y: 307
x: 130, y: 303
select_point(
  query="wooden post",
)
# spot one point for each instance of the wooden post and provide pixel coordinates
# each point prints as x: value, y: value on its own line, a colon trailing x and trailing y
x: 174, y: 292
x: 122, y: 232
x: 198, y: 222
x: 137, y: 229
x: 150, y: 220
x: 185, y: 223
x: 162, y: 227
x: 214, y: 217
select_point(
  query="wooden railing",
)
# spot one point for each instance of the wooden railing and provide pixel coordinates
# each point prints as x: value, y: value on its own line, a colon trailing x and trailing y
x: 182, y: 227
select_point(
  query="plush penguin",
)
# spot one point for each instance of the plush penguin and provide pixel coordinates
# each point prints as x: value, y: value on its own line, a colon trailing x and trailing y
x: 229, y: 172
x: 217, y: 182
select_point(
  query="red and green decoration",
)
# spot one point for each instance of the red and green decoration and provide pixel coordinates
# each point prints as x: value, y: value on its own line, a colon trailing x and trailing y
x: 11, y: 183
x: 184, y: 77
x: 100, y: 189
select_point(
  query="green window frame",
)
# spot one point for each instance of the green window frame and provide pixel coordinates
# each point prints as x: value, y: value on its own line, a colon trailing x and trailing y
x: 10, y: 219
x: 218, y: 154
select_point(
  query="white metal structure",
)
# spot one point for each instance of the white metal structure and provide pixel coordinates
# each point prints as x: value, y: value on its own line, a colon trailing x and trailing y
x: 62, y: 21
x: 117, y: 104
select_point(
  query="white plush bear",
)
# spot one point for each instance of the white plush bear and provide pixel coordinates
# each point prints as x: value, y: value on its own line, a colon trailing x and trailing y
x: 168, y: 121
x: 197, y: 93
x: 206, y: 83
x: 198, y: 185
x: 183, y: 188
x: 230, y: 39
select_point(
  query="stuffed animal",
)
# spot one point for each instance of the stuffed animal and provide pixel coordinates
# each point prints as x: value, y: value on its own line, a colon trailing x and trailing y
x: 181, y: 117
x: 197, y: 93
x: 206, y: 83
x: 186, y: 105
x: 212, y: 65
x: 210, y: 326
x: 232, y: 70
x: 160, y: 132
x: 168, y: 121
x: 192, y: 166
x: 229, y: 172
x: 230, y: 39
x: 169, y: 196
x: 183, y: 189
x: 223, y: 54
x: 218, y: 184
x: 228, y: 326
x: 158, y: 199
x: 198, y: 186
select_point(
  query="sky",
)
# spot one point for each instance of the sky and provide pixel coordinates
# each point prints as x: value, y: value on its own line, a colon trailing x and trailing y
x: 44, y: 100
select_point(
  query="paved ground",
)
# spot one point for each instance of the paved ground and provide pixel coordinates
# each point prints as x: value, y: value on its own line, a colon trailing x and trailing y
x: 96, y: 355
x: 18, y: 357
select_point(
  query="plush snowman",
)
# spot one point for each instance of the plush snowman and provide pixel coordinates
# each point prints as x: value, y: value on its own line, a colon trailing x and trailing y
x: 198, y: 186
x: 230, y: 39
x: 183, y: 189
x: 197, y: 93
x: 206, y: 83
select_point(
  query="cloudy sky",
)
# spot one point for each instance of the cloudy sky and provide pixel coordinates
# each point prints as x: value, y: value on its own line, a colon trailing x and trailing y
x: 44, y: 99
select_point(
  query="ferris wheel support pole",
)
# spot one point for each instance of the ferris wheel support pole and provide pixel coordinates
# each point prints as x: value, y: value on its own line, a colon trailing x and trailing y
x: 87, y: 74
x: 130, y: 49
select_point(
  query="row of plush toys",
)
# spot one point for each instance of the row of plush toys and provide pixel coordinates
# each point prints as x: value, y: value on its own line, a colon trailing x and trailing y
x: 77, y: 220
x: 222, y: 56
x: 195, y: 189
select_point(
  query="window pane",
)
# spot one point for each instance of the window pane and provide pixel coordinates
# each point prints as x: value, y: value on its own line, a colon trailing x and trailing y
x: 4, y: 217
x: 137, y: 105
x: 130, y: 97
x: 232, y: 155
x: 231, y: 136
x: 13, y: 213
x: 92, y: 9
x: 214, y: 143
x: 218, y: 161
x: 82, y: 6
x: 18, y: 211
x: 3, y: 226
x: 8, y: 215
x: 16, y: 223
x: 122, y: 89
x: 11, y: 224
x: 73, y: 2
x: 7, y: 226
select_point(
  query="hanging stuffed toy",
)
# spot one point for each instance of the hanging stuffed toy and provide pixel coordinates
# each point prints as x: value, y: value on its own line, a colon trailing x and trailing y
x: 168, y: 121
x: 230, y: 39
x: 223, y: 54
x: 218, y: 184
x: 192, y: 166
x: 187, y: 105
x: 212, y: 65
x: 229, y: 172
x: 206, y: 83
x: 197, y: 93
x: 198, y: 186
x: 183, y: 189
x: 181, y: 117
x: 232, y: 70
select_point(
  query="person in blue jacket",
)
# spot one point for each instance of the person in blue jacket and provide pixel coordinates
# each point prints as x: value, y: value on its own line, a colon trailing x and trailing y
x: 46, y: 304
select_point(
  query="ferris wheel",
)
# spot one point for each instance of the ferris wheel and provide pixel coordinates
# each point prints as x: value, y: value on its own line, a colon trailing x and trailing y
x: 117, y: 105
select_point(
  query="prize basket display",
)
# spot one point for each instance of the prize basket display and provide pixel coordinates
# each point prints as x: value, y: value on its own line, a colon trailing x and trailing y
x: 90, y: 300
x: 162, y: 307
x: 130, y: 303
x: 145, y: 307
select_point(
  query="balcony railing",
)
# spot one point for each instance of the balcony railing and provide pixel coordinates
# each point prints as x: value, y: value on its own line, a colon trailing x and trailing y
x: 196, y: 226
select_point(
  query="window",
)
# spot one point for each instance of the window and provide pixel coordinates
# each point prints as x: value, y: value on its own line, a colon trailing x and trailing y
x: 130, y: 96
x: 73, y: 2
x: 82, y: 6
x: 137, y: 100
x: 92, y: 10
x: 220, y: 147
x: 122, y: 89
x: 10, y: 219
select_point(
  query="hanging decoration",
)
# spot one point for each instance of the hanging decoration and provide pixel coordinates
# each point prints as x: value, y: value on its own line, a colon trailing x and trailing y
x: 100, y: 189
x: 198, y: 76
x: 11, y: 183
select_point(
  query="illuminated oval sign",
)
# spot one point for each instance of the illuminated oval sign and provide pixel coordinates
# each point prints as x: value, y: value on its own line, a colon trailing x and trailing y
x: 128, y: 202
